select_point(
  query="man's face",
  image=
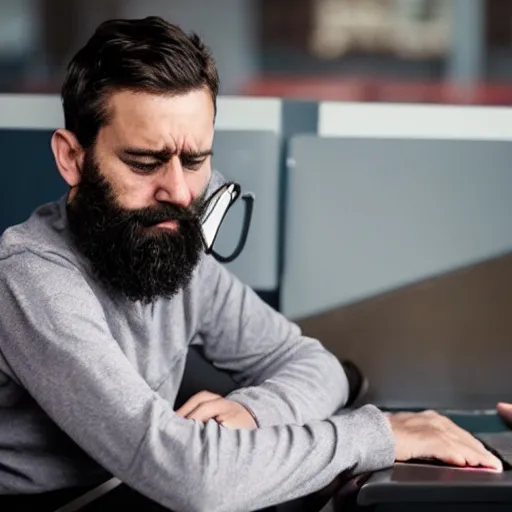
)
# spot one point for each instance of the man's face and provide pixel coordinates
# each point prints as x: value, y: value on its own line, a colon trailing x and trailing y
x: 157, y: 148
x: 135, y: 212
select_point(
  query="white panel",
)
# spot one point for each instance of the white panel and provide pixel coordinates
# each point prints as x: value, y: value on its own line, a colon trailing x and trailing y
x: 251, y: 159
x: 19, y: 27
x: 247, y: 113
x: 385, y: 120
x: 33, y: 111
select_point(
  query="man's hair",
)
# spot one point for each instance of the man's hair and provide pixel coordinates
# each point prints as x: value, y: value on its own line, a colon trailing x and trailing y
x: 145, y: 55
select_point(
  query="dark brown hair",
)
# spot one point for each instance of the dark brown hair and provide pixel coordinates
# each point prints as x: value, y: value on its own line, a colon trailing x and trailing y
x: 147, y: 55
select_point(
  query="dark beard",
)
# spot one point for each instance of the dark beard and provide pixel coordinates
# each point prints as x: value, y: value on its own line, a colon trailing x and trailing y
x: 126, y: 254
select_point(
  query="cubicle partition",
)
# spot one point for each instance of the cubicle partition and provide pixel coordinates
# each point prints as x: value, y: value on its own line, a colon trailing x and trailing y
x: 398, y: 248
x: 251, y: 147
x: 28, y: 173
x: 247, y: 149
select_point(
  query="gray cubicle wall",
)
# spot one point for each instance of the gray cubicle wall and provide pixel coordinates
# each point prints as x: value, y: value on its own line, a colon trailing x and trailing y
x: 27, y: 170
x: 247, y: 149
x: 399, y: 249
x: 251, y: 149
x: 28, y: 174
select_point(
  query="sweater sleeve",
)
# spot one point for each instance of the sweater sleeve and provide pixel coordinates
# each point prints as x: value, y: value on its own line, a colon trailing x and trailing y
x: 57, y: 344
x: 285, y: 377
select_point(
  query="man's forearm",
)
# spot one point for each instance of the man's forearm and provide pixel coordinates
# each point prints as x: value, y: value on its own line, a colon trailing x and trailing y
x: 238, y: 470
x: 285, y: 378
x: 305, y: 383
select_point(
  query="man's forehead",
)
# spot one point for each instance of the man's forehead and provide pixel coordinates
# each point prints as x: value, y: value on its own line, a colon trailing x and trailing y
x: 161, y: 120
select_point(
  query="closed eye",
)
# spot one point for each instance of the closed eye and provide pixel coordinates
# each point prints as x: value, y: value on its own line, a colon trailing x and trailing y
x: 193, y: 164
x: 144, y: 167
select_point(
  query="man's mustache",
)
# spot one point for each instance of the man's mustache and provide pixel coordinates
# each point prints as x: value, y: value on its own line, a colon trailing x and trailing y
x: 152, y: 215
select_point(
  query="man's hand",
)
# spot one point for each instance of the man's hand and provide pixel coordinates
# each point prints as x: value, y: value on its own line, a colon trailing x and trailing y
x: 505, y: 411
x: 429, y: 435
x: 205, y: 406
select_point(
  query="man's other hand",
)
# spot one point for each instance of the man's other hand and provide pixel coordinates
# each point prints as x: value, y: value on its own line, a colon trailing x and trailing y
x: 505, y: 411
x: 205, y: 406
x: 429, y: 435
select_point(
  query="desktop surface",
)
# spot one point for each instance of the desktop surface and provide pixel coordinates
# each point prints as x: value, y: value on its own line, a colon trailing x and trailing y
x: 429, y: 486
x: 422, y: 483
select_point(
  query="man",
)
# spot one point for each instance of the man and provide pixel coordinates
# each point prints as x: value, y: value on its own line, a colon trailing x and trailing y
x: 103, y: 292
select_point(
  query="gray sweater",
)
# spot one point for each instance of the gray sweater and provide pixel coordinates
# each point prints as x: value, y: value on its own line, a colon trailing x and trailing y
x: 88, y: 381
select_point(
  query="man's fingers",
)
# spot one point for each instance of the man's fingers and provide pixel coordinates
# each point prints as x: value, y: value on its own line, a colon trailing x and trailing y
x: 476, y: 457
x: 209, y: 410
x: 459, y: 453
x: 430, y: 435
x: 475, y: 452
x: 489, y: 460
x: 469, y: 446
x: 453, y: 456
x: 463, y: 435
x: 505, y: 410
x: 225, y: 420
x: 206, y: 406
x: 195, y: 401
x: 494, y: 462
x: 486, y: 460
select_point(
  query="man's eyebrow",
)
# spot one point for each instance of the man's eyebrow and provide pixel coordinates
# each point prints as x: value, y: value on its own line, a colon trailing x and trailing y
x: 163, y: 154
x: 197, y: 154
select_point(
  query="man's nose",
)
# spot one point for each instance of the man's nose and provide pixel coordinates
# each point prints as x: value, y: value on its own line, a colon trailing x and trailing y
x: 172, y: 185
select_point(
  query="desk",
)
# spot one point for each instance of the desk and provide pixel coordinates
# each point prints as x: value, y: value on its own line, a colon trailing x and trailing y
x: 427, y: 487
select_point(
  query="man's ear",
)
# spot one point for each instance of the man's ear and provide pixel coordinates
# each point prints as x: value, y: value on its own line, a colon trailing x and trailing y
x: 69, y: 156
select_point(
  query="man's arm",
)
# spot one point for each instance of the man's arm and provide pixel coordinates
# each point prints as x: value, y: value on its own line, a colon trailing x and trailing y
x: 58, y: 346
x: 286, y: 378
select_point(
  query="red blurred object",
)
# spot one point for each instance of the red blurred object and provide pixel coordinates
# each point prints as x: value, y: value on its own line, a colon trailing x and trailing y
x: 442, y: 93
x: 315, y: 88
x: 378, y: 90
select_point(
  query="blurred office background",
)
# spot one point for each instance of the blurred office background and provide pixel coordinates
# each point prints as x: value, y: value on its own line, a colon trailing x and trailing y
x: 383, y: 229
x: 430, y: 51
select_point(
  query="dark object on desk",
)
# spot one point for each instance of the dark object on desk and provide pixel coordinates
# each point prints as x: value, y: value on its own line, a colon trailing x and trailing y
x: 429, y: 486
x: 416, y: 483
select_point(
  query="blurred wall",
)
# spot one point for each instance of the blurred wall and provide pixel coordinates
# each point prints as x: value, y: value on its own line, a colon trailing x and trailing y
x: 227, y: 26
x: 18, y: 26
x: 20, y: 34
